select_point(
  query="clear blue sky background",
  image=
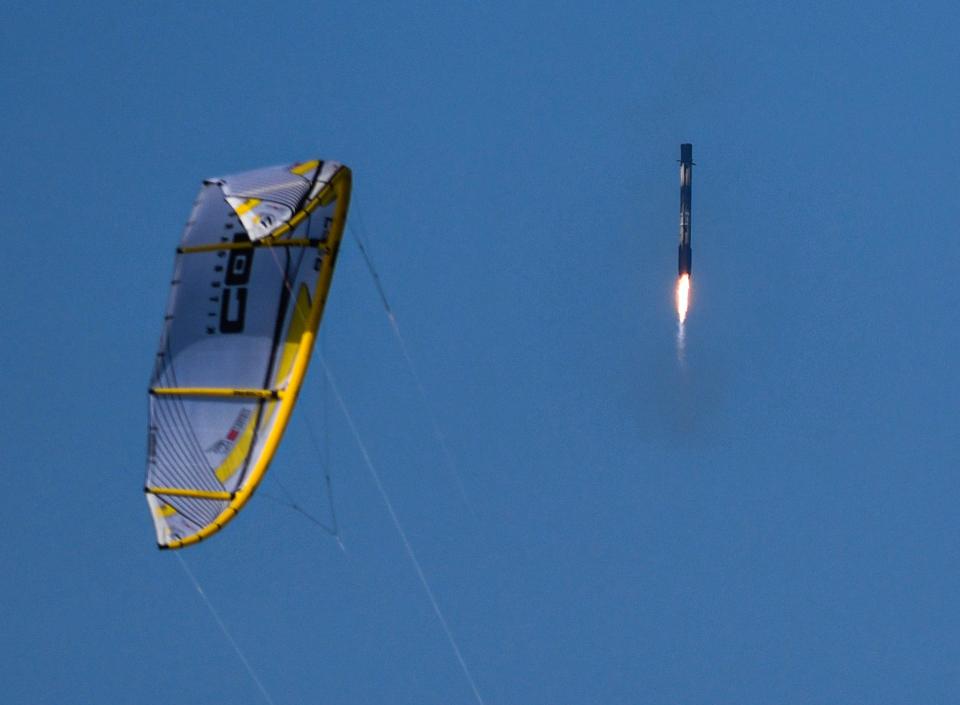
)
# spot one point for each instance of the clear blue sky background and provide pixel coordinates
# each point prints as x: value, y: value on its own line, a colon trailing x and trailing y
x: 773, y: 521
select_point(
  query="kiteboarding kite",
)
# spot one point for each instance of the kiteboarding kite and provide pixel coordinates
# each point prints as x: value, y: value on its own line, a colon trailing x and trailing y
x: 251, y: 278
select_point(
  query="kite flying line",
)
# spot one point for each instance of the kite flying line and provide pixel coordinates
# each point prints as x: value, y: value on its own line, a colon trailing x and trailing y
x: 223, y: 628
x: 395, y: 326
x: 395, y: 519
x: 403, y: 534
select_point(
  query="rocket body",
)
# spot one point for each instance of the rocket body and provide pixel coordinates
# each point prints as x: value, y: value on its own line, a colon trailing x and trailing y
x: 686, y: 193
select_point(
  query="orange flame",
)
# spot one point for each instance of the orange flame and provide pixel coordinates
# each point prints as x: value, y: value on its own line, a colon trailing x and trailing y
x: 683, y: 296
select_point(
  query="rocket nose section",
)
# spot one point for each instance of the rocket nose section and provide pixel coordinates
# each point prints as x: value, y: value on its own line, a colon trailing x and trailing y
x: 686, y: 154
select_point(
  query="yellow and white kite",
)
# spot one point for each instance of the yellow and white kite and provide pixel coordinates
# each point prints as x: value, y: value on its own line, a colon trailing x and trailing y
x: 252, y: 275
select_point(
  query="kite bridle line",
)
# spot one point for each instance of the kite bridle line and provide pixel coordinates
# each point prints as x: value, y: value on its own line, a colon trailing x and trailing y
x: 290, y: 500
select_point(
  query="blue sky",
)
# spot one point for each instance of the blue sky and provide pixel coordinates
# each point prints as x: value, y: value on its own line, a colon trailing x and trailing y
x: 771, y: 520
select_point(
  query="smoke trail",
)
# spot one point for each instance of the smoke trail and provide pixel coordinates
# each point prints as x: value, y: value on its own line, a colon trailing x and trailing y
x: 681, y: 345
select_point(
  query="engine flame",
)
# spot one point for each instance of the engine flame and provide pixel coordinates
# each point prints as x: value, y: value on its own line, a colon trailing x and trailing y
x: 683, y: 296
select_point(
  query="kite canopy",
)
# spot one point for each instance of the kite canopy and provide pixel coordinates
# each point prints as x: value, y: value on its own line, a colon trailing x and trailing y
x: 250, y: 282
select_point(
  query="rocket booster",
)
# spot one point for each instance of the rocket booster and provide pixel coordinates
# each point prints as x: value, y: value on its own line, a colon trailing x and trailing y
x: 686, y: 193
